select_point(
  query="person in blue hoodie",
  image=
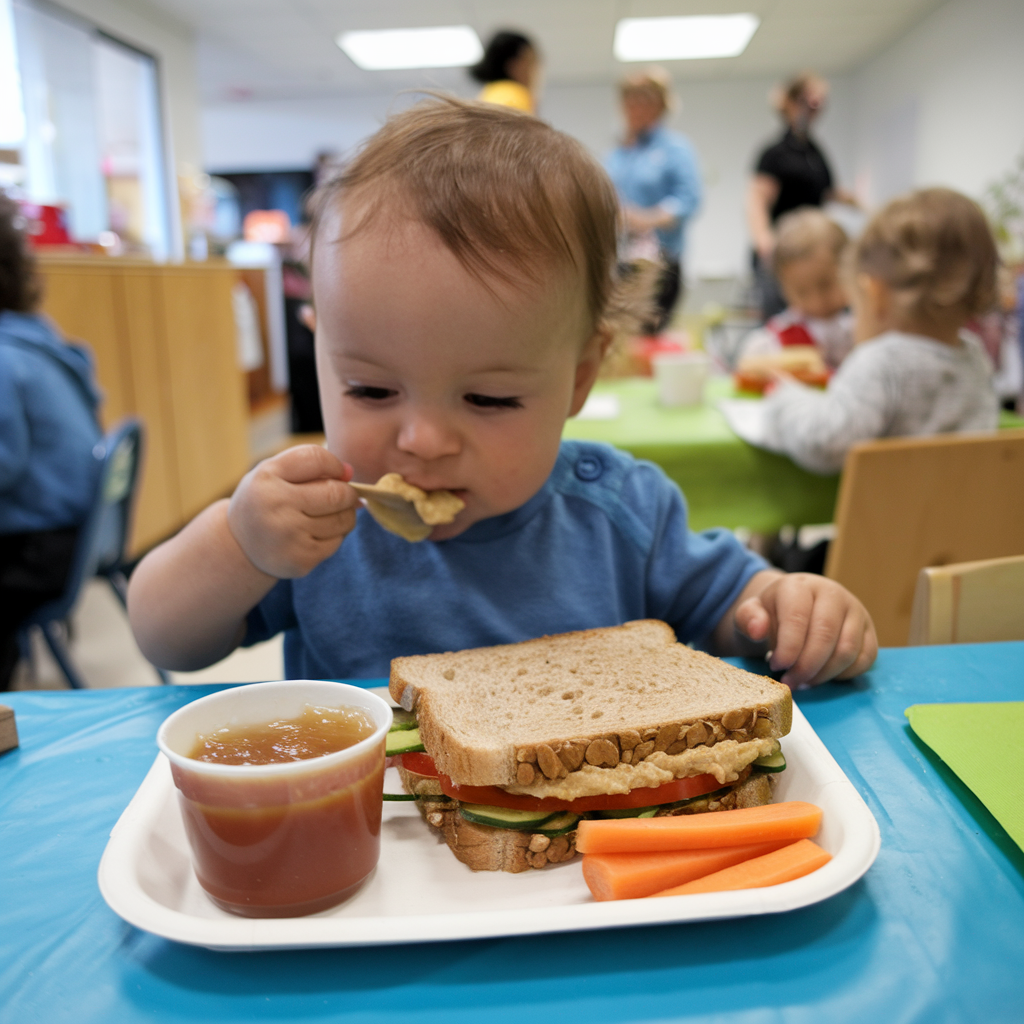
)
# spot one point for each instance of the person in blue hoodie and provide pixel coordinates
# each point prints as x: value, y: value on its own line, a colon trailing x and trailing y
x: 48, y: 429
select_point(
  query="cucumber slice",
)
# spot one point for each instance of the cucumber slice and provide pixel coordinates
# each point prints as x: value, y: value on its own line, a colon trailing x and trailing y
x: 399, y: 796
x: 559, y: 825
x: 437, y: 798
x: 405, y: 741
x: 402, y: 720
x: 773, y: 762
x: 505, y: 817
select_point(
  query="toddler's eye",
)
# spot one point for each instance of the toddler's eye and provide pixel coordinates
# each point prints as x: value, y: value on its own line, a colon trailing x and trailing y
x: 491, y: 402
x: 365, y: 391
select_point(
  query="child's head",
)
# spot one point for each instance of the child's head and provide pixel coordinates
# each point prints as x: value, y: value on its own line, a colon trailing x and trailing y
x: 925, y: 264
x: 463, y: 274
x: 19, y: 287
x: 808, y: 252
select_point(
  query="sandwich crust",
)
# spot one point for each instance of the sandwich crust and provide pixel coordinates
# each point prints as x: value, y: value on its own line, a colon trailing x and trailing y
x: 552, y: 713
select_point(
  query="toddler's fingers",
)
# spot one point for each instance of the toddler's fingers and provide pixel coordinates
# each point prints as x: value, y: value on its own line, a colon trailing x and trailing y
x: 308, y: 462
x: 325, y: 497
x: 331, y: 526
x: 848, y: 645
x: 822, y: 634
x: 753, y: 620
x: 868, y: 651
x: 790, y: 609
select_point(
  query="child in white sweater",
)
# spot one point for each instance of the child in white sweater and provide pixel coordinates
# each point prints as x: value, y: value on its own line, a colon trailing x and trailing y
x: 924, y: 266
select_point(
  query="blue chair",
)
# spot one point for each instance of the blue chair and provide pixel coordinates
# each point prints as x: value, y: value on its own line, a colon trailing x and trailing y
x: 100, y: 547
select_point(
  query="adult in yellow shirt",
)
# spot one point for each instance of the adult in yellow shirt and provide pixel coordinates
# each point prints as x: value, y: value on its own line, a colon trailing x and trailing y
x: 510, y: 72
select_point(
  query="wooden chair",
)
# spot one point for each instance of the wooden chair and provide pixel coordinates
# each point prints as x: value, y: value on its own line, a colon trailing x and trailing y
x: 969, y: 602
x: 908, y: 503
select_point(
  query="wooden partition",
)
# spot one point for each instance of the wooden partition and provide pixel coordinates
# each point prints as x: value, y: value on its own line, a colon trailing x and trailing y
x: 908, y: 503
x: 164, y: 341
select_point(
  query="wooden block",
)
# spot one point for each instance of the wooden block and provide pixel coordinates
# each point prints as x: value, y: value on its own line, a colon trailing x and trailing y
x: 8, y: 730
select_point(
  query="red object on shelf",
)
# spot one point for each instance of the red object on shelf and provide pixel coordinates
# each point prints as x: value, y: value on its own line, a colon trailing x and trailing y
x: 642, y: 350
x: 47, y: 225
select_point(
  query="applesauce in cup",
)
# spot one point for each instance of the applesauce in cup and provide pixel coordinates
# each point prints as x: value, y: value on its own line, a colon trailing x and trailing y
x: 277, y: 827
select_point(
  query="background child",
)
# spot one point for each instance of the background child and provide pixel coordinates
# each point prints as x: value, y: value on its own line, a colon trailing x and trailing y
x: 806, y: 261
x: 925, y: 265
x: 463, y: 273
x: 48, y: 427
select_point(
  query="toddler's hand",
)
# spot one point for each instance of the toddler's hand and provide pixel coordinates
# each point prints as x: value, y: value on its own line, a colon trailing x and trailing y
x: 292, y: 511
x: 817, y: 630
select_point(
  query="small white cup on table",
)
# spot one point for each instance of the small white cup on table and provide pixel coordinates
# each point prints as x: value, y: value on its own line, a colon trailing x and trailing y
x: 681, y: 377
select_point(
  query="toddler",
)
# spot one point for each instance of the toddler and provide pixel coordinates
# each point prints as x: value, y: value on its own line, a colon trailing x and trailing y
x: 463, y: 274
x: 806, y: 260
x: 924, y: 266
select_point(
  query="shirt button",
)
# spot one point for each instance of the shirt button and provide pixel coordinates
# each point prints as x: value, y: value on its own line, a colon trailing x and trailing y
x: 589, y: 468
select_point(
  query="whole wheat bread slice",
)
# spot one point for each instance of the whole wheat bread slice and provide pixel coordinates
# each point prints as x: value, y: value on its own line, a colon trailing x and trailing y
x: 544, y: 708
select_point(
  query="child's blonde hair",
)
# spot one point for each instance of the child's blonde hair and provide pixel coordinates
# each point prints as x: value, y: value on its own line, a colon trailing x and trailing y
x: 508, y: 195
x: 804, y: 232
x: 935, y: 250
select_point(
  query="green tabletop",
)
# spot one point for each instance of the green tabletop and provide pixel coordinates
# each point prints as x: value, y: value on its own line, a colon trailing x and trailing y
x: 727, y: 482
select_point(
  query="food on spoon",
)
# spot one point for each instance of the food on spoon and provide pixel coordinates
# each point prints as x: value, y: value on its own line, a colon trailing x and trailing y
x: 432, y: 508
x: 783, y: 865
x: 630, y: 876
x: 788, y: 821
x: 521, y: 740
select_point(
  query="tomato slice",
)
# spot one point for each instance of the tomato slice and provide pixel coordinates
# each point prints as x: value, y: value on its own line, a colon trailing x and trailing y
x: 493, y: 796
x: 420, y: 763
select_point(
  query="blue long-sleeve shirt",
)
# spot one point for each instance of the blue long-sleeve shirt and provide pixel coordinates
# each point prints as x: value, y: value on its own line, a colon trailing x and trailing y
x: 659, y: 169
x: 48, y: 427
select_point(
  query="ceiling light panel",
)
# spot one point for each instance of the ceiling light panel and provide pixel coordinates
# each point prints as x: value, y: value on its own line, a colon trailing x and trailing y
x: 450, y: 46
x: 689, y: 38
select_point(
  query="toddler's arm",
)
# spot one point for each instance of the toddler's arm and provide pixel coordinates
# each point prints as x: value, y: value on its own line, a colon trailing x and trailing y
x: 817, y: 428
x: 188, y: 598
x: 816, y: 629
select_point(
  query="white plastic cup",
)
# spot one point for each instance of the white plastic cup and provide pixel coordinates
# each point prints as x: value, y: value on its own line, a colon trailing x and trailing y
x: 284, y: 839
x: 681, y: 377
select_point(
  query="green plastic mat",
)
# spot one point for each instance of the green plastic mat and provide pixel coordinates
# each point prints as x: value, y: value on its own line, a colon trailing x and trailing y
x: 984, y: 745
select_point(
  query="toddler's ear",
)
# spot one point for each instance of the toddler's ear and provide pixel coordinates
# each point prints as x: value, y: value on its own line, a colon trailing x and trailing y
x: 589, y: 365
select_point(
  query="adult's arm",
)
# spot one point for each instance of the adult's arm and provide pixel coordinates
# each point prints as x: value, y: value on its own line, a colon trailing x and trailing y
x: 762, y: 192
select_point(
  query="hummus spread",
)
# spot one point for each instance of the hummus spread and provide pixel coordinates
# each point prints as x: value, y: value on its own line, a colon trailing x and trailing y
x: 725, y: 760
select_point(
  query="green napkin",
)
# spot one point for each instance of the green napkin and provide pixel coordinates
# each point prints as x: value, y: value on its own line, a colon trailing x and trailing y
x: 991, y: 763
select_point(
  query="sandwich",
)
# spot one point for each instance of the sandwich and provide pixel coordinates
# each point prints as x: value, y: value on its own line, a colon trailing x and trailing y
x: 803, y: 362
x: 506, y: 748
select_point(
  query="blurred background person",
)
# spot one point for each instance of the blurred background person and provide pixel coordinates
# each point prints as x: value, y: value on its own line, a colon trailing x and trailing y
x: 510, y: 71
x: 790, y: 173
x: 48, y: 428
x: 656, y: 176
x: 807, y: 262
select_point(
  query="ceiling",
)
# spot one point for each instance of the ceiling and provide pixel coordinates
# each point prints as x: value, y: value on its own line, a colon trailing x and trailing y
x: 266, y: 49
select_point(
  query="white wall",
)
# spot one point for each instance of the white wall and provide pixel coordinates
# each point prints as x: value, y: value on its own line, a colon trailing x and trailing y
x: 945, y: 104
x: 727, y: 121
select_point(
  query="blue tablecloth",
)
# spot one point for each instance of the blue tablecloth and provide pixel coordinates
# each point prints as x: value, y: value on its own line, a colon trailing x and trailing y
x: 934, y: 933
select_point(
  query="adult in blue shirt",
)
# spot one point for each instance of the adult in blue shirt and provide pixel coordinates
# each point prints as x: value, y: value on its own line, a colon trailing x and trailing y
x: 48, y: 428
x: 655, y: 173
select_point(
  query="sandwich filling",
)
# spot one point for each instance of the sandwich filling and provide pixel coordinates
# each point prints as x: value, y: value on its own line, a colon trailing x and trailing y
x: 724, y: 761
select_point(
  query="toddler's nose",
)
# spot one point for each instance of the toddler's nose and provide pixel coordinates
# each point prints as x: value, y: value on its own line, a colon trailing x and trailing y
x: 427, y: 436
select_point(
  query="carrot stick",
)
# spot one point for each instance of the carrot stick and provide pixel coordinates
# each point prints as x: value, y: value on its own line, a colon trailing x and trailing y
x: 789, y: 862
x: 628, y: 876
x: 770, y: 823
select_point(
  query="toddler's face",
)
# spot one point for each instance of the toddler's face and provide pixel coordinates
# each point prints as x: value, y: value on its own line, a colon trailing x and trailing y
x: 425, y: 372
x: 812, y: 286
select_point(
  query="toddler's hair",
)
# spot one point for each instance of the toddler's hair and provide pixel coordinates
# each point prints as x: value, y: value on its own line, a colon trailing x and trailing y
x: 19, y: 286
x: 804, y: 232
x: 506, y: 193
x: 935, y: 250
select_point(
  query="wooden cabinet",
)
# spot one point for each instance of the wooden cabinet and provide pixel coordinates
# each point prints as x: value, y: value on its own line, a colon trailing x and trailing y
x: 164, y: 341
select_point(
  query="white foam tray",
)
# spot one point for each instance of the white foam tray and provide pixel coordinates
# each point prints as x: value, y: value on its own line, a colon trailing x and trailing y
x: 419, y: 892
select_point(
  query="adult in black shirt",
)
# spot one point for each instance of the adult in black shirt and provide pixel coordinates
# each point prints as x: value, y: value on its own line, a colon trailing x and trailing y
x: 793, y: 172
